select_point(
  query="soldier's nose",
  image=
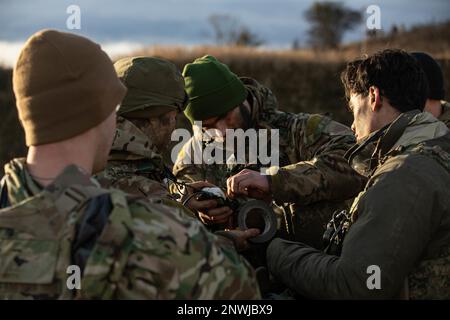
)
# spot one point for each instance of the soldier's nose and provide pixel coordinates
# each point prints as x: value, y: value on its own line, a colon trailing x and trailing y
x: 222, y: 129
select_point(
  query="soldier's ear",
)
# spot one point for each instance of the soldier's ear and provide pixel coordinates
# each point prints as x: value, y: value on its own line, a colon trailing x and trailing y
x: 374, y: 98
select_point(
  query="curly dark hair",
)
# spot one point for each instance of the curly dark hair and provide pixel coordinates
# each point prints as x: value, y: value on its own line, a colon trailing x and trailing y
x: 394, y: 72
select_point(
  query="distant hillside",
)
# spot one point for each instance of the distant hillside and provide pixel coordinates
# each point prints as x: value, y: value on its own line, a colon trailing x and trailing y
x: 303, y: 80
x: 12, y: 139
x: 434, y: 39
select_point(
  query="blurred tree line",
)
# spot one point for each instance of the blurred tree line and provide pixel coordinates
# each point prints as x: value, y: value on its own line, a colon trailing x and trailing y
x: 309, y: 85
x: 328, y: 23
x: 12, y: 137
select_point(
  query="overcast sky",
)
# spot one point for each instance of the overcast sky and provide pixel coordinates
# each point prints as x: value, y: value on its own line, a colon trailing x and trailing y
x: 142, y: 22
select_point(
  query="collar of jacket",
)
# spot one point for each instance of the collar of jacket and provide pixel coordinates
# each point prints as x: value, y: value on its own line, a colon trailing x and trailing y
x: 130, y: 143
x: 408, y: 129
x: 260, y: 98
x: 20, y: 185
x: 424, y: 126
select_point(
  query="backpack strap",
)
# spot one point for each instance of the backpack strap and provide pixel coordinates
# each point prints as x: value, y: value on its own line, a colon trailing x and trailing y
x: 109, y: 255
x: 3, y: 195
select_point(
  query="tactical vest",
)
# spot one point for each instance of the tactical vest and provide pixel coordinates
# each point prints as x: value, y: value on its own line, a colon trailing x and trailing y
x: 43, y: 237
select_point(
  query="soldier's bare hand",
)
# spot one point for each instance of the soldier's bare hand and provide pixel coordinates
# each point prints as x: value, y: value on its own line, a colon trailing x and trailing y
x: 220, y: 215
x: 249, y: 183
x: 207, y: 209
x: 240, y: 237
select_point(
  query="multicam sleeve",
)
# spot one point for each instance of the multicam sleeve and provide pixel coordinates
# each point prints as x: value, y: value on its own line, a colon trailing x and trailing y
x: 187, y: 170
x: 322, y: 172
x: 175, y: 257
x: 184, y: 168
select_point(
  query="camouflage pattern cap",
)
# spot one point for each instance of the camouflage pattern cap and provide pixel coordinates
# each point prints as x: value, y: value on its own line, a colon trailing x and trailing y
x: 155, y: 86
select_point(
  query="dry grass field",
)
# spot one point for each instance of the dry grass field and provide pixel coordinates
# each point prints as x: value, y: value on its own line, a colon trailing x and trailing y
x: 303, y: 80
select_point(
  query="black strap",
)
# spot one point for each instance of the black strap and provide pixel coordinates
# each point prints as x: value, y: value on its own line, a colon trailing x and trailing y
x: 353, y: 151
x: 89, y: 228
x: 246, y: 115
x: 386, y: 136
x: 395, y: 131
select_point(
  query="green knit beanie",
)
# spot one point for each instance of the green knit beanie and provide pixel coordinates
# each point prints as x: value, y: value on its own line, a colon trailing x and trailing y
x: 212, y: 88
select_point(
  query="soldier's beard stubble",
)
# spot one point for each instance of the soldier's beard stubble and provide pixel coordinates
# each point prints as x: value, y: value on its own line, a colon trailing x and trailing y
x: 106, y: 133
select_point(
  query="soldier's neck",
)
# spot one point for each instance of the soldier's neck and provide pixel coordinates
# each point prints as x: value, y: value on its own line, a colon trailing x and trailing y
x: 46, y: 162
x: 434, y: 107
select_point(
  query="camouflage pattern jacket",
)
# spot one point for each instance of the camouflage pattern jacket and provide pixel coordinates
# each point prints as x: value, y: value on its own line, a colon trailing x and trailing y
x: 314, y: 177
x: 400, y: 223
x: 134, y: 164
x: 445, y: 116
x: 125, y: 247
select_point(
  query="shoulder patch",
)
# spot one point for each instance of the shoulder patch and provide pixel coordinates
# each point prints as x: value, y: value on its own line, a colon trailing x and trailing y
x: 315, y: 126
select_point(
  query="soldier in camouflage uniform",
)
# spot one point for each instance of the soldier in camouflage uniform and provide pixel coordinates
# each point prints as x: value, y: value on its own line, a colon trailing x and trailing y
x: 400, y: 223
x: 314, y: 178
x: 55, y: 219
x: 146, y: 118
x: 445, y: 114
x: 435, y: 104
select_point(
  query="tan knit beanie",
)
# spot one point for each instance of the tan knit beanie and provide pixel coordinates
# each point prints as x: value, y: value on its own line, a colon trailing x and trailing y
x: 64, y: 85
